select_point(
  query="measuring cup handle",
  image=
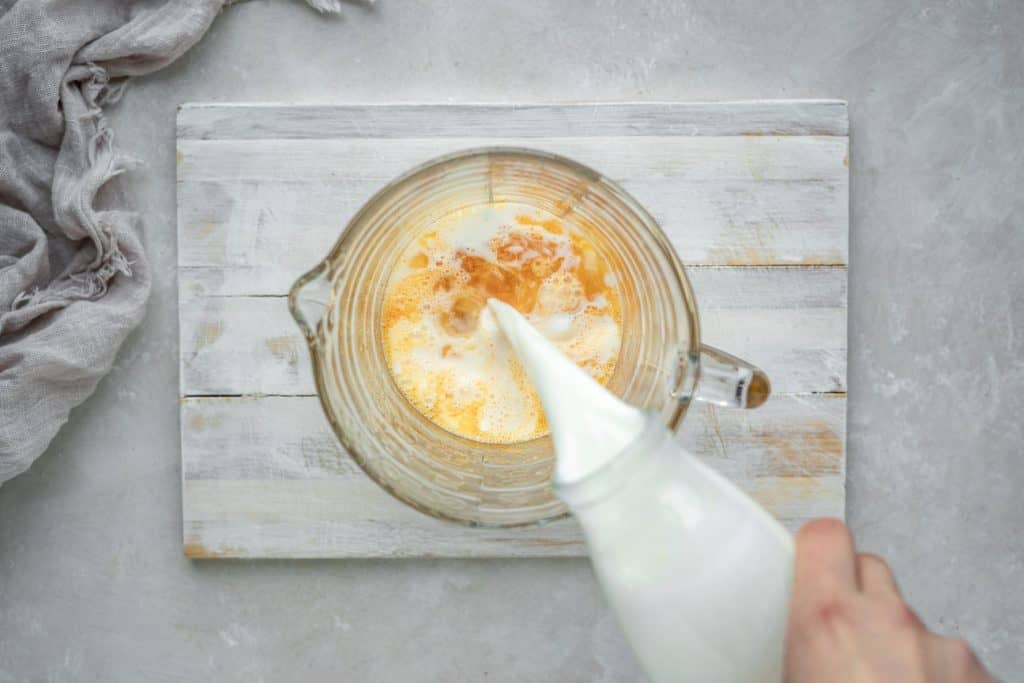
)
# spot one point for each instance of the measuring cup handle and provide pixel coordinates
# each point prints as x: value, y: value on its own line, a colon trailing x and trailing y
x: 730, y: 382
x: 308, y: 300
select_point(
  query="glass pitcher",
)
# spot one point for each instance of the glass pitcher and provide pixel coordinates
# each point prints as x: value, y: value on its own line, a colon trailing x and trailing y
x: 662, y: 364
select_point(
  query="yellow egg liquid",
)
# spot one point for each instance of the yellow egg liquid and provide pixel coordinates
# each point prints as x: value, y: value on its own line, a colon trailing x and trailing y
x: 442, y: 344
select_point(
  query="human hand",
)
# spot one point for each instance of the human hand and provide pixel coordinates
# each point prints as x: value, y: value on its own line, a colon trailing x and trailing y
x: 848, y: 622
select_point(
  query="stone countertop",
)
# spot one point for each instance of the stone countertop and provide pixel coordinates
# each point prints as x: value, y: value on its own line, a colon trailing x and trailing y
x: 94, y: 584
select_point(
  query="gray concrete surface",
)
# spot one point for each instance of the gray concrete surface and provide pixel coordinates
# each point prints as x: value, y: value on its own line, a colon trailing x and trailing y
x: 93, y: 585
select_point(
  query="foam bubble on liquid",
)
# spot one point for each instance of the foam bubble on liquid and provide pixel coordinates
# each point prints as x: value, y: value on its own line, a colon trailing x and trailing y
x: 558, y: 327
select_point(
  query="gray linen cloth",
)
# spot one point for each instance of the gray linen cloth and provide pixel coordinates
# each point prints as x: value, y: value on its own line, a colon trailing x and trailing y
x: 73, y: 275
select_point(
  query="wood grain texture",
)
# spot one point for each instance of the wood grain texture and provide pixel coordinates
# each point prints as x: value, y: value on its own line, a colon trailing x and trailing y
x: 753, y: 195
x: 393, y: 536
x: 287, y: 437
x: 270, y: 208
x: 263, y: 467
x: 792, y: 320
x: 328, y: 122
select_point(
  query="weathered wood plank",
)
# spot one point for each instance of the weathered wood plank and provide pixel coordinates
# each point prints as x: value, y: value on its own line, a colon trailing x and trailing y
x: 260, y: 234
x: 260, y: 469
x: 716, y: 287
x: 776, y: 288
x: 336, y: 518
x: 787, y: 455
x: 796, y: 435
x: 242, y: 345
x: 364, y: 536
x: 722, y: 201
x: 287, y: 437
x: 378, y: 161
x: 250, y: 345
x: 795, y: 500
x: 267, y: 437
x: 776, y: 117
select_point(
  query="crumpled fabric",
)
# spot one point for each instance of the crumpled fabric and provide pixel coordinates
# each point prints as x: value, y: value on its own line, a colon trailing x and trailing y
x: 74, y: 278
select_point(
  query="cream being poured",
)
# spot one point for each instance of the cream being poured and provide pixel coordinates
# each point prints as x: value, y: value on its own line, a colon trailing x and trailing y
x: 588, y: 423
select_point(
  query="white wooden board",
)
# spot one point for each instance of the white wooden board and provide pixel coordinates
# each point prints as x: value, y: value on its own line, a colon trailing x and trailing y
x: 754, y: 196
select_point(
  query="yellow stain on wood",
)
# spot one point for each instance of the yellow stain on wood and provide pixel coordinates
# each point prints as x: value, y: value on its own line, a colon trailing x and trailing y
x: 197, y: 551
x: 178, y: 156
x: 775, y: 493
x: 846, y: 161
x: 202, y: 420
x: 814, y: 133
x: 205, y: 228
x: 756, y: 256
x: 814, y: 450
x: 208, y: 333
x: 283, y: 349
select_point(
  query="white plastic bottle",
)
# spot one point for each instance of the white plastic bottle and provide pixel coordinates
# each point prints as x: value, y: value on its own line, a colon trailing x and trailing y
x: 697, y: 572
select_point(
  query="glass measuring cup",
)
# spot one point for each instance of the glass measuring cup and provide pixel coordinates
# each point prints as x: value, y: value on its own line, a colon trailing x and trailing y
x: 662, y: 365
